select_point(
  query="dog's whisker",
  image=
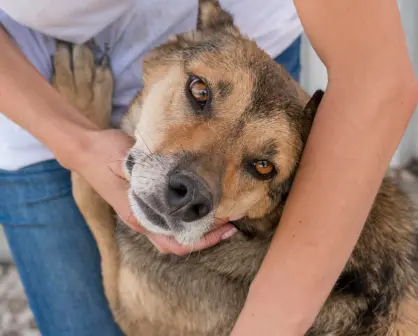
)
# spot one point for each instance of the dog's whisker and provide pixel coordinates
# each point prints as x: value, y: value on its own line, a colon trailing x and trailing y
x: 144, y: 177
x: 190, y: 253
x: 148, y: 156
x: 156, y: 156
x: 145, y: 143
x: 143, y: 140
x: 191, y: 249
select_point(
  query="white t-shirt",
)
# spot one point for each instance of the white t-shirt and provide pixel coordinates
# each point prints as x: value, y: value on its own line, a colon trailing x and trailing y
x: 130, y: 28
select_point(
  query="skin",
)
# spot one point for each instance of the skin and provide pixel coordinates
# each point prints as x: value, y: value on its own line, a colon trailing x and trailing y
x: 355, y: 119
x: 77, y: 144
x: 371, y: 96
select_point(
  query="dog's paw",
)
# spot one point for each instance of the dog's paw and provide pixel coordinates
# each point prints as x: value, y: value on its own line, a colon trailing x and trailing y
x: 84, y: 82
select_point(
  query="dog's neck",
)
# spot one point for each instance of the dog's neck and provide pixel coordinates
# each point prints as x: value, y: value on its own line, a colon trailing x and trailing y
x: 263, y: 227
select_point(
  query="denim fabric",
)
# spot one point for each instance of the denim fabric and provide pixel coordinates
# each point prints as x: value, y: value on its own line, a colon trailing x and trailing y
x: 290, y: 59
x: 54, y: 250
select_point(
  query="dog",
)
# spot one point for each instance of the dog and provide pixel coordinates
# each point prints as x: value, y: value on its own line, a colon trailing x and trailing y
x: 219, y: 130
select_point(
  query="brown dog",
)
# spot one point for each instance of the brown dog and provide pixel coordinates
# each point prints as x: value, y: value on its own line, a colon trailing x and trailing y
x: 219, y: 131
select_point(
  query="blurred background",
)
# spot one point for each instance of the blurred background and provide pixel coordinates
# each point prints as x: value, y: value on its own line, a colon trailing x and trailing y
x: 314, y: 76
x: 15, y: 317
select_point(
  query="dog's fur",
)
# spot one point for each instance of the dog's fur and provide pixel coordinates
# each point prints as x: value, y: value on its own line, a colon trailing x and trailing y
x: 255, y: 111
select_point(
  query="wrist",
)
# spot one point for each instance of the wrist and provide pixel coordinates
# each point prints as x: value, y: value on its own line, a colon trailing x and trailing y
x: 263, y: 313
x: 76, y: 151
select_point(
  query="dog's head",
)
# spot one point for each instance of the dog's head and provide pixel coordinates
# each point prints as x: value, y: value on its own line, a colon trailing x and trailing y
x: 219, y: 130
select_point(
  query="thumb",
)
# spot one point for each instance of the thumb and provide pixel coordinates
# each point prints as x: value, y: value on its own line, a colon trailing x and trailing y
x: 120, y: 203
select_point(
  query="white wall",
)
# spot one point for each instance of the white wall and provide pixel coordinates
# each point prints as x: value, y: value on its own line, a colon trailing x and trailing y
x: 314, y: 73
x: 409, y: 145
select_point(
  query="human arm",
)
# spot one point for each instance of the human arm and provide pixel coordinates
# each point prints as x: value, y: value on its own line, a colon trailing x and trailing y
x: 27, y: 99
x: 371, y: 95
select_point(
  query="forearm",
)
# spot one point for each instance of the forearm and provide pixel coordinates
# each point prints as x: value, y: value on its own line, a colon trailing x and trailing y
x: 30, y: 101
x: 340, y: 173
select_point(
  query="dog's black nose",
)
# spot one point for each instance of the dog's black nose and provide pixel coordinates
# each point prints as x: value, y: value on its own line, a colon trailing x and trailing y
x: 188, y: 197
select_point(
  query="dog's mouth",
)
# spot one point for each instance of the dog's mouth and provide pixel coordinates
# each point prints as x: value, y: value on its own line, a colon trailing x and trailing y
x: 152, y: 215
x: 158, y: 223
x: 242, y: 225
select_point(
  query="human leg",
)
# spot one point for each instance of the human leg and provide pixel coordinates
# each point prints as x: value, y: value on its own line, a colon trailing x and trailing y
x: 54, y: 251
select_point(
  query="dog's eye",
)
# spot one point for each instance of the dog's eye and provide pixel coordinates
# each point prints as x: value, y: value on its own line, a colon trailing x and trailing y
x: 262, y: 169
x: 199, y: 91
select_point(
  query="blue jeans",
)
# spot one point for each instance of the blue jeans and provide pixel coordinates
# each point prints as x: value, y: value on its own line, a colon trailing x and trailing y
x: 53, y: 249
x: 290, y: 59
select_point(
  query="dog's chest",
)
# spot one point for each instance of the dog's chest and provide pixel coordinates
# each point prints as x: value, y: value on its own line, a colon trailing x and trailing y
x: 175, y: 298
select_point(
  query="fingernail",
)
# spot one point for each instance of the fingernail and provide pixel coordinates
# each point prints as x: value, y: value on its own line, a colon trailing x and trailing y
x: 229, y: 233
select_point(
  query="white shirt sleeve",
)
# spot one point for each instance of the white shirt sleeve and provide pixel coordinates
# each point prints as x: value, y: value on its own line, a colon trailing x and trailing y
x: 128, y: 36
x: 71, y: 20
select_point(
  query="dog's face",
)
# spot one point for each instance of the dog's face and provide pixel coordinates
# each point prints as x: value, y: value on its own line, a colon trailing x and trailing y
x: 219, y: 130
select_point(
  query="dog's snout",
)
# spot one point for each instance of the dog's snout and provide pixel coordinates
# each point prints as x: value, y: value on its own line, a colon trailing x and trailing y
x: 188, y: 197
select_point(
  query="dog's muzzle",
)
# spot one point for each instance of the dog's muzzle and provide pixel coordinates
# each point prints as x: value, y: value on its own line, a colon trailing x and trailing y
x: 167, y: 198
x: 187, y: 197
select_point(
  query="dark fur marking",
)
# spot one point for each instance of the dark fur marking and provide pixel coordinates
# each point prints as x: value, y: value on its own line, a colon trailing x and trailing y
x: 193, y: 52
x: 351, y: 283
x: 356, y: 284
x: 267, y: 99
x: 225, y: 88
x: 129, y: 163
x: 246, y: 227
x: 314, y: 102
x: 267, y: 152
x: 279, y: 193
x: 380, y: 305
x: 270, y: 149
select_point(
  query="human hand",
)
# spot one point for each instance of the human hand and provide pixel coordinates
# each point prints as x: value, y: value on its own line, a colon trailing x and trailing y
x: 101, y: 164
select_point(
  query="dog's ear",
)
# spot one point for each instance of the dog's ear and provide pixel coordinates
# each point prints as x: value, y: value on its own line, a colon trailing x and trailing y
x: 212, y: 16
x: 313, y: 104
x: 309, y: 113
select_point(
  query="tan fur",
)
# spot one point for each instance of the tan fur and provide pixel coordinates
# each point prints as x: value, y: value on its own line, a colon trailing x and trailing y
x: 203, y: 293
x: 89, y: 89
x: 408, y: 318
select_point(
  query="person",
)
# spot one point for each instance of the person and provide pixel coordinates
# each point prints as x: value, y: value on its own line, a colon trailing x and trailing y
x: 353, y: 138
x: 51, y: 245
